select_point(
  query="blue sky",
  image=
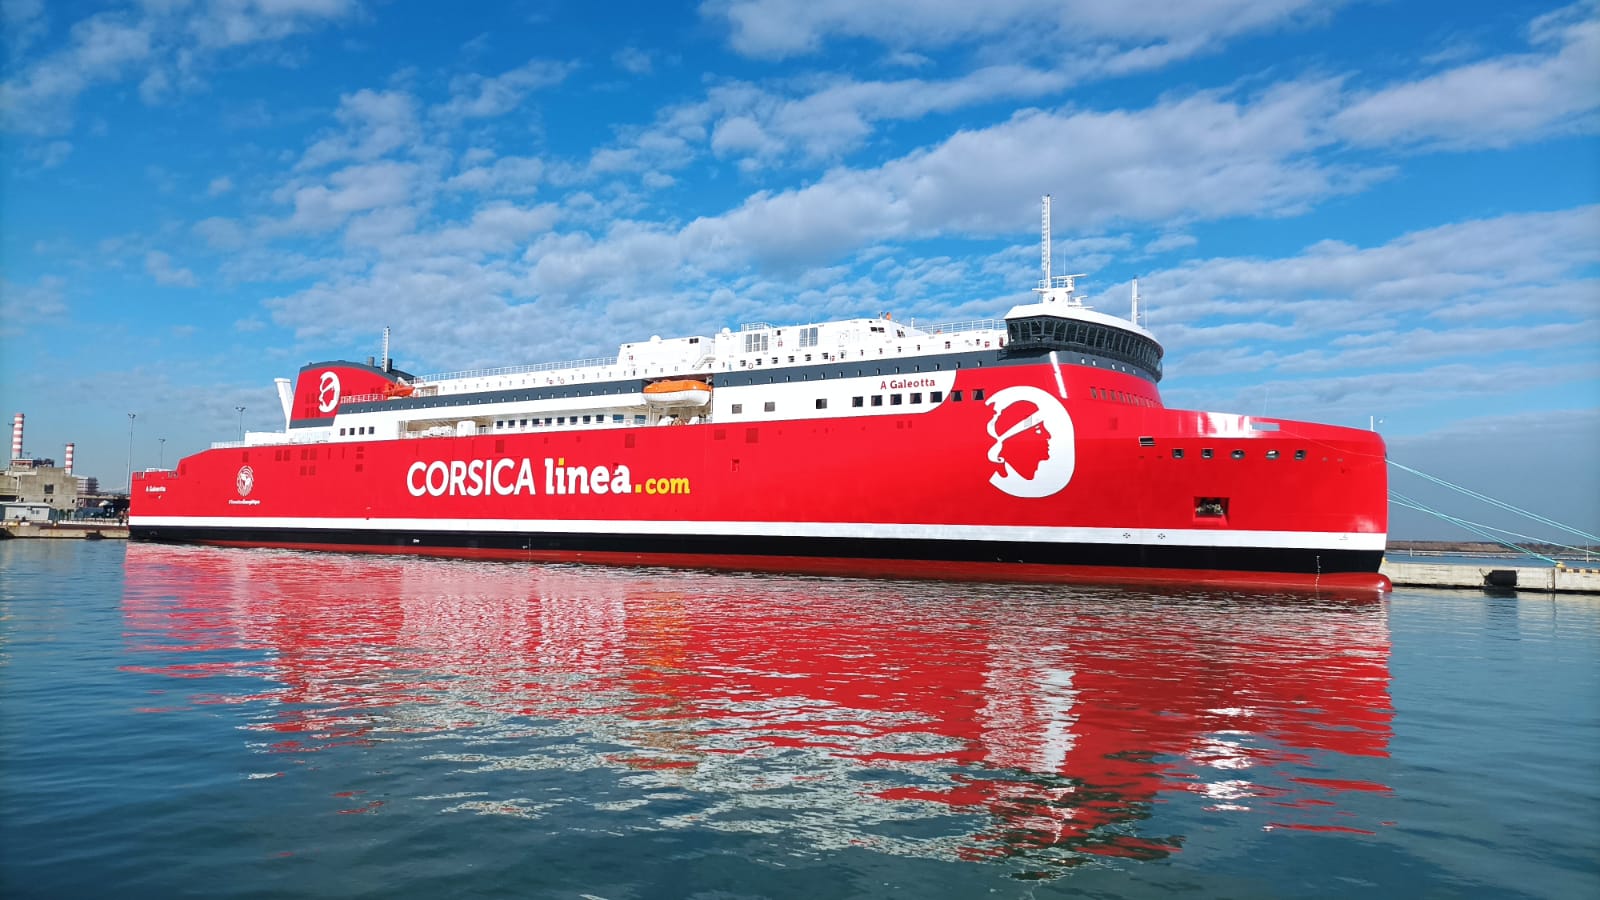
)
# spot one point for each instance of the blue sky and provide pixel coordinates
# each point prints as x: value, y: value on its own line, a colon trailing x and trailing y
x: 1336, y: 209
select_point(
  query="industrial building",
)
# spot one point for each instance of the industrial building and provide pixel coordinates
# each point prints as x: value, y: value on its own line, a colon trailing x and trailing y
x: 37, y: 489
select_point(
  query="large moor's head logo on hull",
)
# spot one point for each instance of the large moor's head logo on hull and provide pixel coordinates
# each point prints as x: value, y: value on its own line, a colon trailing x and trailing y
x: 245, y: 481
x: 328, y: 393
x: 1033, y: 442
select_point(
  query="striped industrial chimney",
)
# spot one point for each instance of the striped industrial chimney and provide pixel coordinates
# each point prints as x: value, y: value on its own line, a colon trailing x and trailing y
x: 68, y: 464
x: 16, y: 436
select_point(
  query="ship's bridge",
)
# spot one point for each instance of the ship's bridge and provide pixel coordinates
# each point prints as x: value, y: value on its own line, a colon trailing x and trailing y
x: 1060, y: 322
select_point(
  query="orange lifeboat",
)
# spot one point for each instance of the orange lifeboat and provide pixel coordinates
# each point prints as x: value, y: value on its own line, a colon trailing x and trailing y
x: 678, y: 392
x: 394, y: 391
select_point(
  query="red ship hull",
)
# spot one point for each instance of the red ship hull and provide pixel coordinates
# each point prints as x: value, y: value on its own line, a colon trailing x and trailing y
x: 1113, y: 490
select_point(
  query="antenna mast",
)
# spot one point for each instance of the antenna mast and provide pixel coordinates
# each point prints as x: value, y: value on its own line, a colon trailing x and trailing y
x: 1136, y: 301
x: 1052, y: 288
x: 386, y: 348
x: 1044, y: 240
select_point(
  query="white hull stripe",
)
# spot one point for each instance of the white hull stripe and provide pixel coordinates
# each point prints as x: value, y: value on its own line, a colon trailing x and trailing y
x: 1174, y: 537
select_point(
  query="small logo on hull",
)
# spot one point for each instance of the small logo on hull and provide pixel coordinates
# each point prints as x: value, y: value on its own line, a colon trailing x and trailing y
x: 328, y: 394
x: 245, y: 481
x: 1034, y: 442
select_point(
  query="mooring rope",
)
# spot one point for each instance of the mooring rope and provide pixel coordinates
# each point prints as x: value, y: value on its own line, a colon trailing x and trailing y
x: 1481, y: 530
x: 1497, y: 503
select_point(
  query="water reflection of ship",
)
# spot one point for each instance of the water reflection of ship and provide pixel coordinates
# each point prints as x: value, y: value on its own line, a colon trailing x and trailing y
x: 1058, y: 719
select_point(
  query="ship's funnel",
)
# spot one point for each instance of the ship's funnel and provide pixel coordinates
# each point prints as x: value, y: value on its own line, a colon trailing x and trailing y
x: 286, y: 397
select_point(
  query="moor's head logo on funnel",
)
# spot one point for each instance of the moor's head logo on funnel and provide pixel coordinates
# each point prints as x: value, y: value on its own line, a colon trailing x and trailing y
x: 1033, y: 442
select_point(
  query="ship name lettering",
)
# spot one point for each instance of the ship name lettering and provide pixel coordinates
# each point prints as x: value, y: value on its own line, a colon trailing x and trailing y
x: 509, y: 477
x: 560, y: 478
x: 899, y: 384
x: 470, y: 478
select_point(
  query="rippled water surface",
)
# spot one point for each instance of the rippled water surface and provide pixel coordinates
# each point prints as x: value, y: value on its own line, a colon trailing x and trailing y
x: 228, y: 723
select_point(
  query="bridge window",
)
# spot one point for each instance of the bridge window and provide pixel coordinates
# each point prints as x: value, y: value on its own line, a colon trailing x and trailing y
x: 1053, y: 333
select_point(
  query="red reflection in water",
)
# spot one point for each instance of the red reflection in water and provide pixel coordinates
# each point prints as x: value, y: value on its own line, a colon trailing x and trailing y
x: 1061, y: 716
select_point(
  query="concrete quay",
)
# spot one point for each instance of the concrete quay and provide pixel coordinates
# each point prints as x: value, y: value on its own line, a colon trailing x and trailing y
x: 71, y: 531
x: 1550, y: 579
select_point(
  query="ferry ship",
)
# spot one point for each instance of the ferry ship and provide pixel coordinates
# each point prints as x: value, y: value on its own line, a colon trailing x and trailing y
x: 1034, y: 448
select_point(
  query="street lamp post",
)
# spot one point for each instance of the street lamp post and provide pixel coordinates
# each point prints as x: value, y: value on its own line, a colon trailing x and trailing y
x: 131, y: 417
x: 161, y: 454
x: 241, y: 421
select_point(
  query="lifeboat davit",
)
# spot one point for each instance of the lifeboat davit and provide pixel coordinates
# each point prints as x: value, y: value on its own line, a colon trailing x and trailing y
x: 678, y: 392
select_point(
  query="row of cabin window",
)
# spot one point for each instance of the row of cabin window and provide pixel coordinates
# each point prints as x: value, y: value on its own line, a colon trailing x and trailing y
x: 592, y: 419
x: 1120, y: 397
x: 830, y: 356
x: 360, y: 429
x: 1208, y: 453
x: 877, y: 400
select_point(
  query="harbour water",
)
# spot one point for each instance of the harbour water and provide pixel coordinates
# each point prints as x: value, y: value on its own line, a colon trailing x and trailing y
x: 244, y: 723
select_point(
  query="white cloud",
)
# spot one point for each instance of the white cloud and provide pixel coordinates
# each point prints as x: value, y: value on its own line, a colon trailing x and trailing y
x: 353, y: 189
x: 230, y: 23
x: 783, y: 28
x: 1422, y: 273
x: 219, y: 186
x: 742, y: 135
x: 1171, y: 241
x: 1496, y: 101
x: 507, y: 176
x: 38, y: 100
x: 154, y: 87
x: 220, y: 233
x: 633, y: 61
x: 24, y: 305
x: 22, y: 22
x: 159, y: 266
x: 109, y: 46
x: 374, y: 123
x: 1196, y: 158
x: 49, y: 155
x: 475, y: 96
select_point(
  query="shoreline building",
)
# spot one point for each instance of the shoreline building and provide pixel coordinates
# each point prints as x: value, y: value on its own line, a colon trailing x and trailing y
x: 36, y: 490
